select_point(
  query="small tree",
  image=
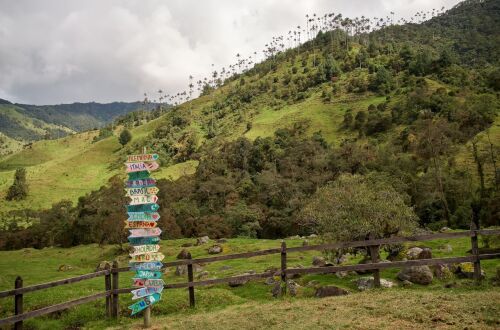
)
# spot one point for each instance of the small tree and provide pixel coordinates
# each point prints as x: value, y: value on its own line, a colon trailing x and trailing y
x: 125, y: 137
x: 354, y: 206
x: 19, y: 189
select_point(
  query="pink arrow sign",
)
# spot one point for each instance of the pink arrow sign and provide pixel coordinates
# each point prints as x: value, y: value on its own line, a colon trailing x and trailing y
x: 145, y: 232
x: 137, y: 167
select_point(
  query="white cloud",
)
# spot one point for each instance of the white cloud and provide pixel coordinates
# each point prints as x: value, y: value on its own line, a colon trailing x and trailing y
x: 63, y: 51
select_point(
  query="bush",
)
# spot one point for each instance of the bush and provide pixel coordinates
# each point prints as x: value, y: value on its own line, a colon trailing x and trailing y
x: 19, y: 189
x: 125, y: 137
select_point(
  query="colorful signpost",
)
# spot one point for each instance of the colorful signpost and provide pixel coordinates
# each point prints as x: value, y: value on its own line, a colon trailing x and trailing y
x: 144, y: 234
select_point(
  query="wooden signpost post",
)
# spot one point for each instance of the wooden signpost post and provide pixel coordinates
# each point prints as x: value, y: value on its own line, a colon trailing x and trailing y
x: 144, y: 233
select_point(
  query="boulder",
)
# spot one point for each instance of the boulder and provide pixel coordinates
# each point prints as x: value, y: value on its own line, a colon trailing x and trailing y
x: 318, y: 261
x: 202, y: 275
x: 238, y: 282
x: 180, y: 270
x: 102, y: 265
x: 413, y: 253
x: 64, y: 268
x: 202, y: 240
x: 342, y: 274
x: 270, y: 281
x: 329, y: 291
x: 291, y: 288
x: 416, y: 274
x: 446, y: 248
x: 442, y: 271
x: 216, y: 249
x: 407, y: 284
x: 444, y: 229
x: 466, y: 270
x: 365, y: 283
x: 183, y: 254
x: 313, y: 236
x: 276, y: 290
x: 426, y: 253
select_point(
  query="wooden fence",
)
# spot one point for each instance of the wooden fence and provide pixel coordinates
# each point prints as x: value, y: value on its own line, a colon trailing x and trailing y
x: 111, y: 274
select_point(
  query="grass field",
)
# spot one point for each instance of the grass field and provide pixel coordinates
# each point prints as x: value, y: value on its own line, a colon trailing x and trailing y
x: 38, y: 266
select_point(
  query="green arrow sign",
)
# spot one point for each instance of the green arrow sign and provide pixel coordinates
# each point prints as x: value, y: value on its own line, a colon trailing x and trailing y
x: 144, y: 303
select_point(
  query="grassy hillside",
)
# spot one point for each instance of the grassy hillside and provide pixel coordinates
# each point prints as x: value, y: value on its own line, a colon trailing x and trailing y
x: 219, y: 300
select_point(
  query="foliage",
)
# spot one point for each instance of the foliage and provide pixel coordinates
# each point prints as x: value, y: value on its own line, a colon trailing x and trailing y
x: 19, y: 189
x: 354, y: 206
x: 125, y: 137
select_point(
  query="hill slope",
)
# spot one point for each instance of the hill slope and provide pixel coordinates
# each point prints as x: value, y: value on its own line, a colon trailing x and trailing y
x: 386, y: 82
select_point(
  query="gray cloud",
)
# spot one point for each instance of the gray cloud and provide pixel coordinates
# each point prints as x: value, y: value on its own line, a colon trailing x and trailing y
x: 63, y: 51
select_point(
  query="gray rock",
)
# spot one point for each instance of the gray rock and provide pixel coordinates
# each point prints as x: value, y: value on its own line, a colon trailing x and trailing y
x: 342, y: 274
x: 305, y: 243
x: 313, y: 236
x: 238, y: 282
x: 444, y: 229
x: 270, y: 281
x: 216, y: 249
x: 183, y: 254
x: 103, y: 264
x: 413, y: 253
x: 312, y: 283
x: 318, y: 261
x: 329, y: 291
x: 442, y: 271
x: 416, y: 274
x: 447, y: 248
x: 202, y: 275
x: 202, y: 240
x: 276, y: 291
x: 365, y: 283
x: 180, y: 270
x: 407, y: 283
x: 64, y: 268
x: 425, y: 254
x: 291, y: 287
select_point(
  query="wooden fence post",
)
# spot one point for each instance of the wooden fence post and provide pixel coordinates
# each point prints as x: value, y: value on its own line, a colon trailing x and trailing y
x: 374, y: 254
x: 147, y: 317
x: 283, y: 266
x: 107, y: 287
x: 18, y: 303
x: 475, y: 252
x: 190, y: 279
x: 114, y: 285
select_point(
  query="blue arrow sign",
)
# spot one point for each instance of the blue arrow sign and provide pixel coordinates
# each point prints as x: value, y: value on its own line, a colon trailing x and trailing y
x: 153, y: 265
x: 138, y: 175
x: 147, y: 274
x: 143, y: 240
x: 152, y: 207
x: 144, y: 303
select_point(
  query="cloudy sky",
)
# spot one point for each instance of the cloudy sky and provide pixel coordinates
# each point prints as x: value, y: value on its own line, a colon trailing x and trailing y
x: 61, y: 51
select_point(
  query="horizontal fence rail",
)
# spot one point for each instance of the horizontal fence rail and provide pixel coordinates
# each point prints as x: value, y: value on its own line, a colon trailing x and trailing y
x: 112, y: 291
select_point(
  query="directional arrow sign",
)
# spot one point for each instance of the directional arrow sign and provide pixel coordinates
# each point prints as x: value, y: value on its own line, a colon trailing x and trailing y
x: 145, y: 232
x: 144, y: 303
x: 143, y: 208
x: 153, y: 265
x: 140, y: 224
x: 140, y: 282
x: 143, y: 199
x: 137, y: 167
x: 142, y: 191
x: 149, y: 274
x: 147, y: 257
x: 146, y: 248
x: 143, y: 240
x: 143, y: 216
x: 141, y: 183
x: 142, y: 158
x: 142, y: 292
x: 138, y: 175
